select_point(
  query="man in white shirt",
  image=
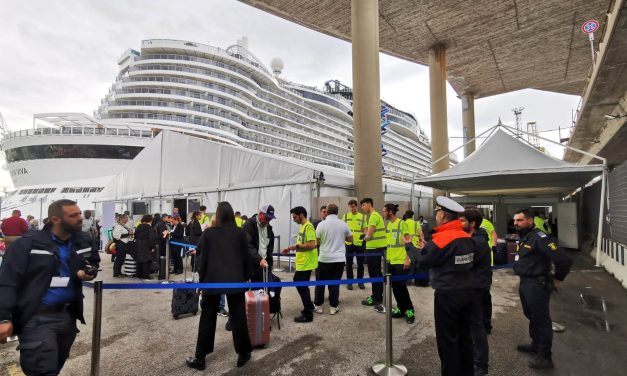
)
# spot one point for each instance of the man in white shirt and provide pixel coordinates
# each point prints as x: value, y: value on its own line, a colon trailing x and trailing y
x: 331, y: 234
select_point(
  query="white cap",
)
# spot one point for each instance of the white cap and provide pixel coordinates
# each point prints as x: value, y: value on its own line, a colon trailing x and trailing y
x: 447, y: 204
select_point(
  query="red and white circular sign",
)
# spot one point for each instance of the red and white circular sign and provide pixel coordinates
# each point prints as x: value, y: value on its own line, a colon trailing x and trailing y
x: 590, y: 26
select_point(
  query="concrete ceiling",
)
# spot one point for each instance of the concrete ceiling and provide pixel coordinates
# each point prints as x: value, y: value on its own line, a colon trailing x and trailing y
x: 493, y: 46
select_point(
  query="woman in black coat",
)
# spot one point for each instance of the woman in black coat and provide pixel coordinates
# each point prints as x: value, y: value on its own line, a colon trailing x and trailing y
x: 177, y: 235
x: 222, y: 258
x: 144, y: 246
x: 194, y: 231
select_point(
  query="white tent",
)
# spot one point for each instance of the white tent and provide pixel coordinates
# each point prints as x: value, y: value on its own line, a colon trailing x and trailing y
x: 505, y: 165
x: 175, y: 165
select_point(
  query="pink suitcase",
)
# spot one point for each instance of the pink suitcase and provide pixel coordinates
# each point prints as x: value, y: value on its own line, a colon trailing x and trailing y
x: 258, y: 316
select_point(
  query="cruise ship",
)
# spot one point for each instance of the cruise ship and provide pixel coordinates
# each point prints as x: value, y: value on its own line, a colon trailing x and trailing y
x: 225, y: 95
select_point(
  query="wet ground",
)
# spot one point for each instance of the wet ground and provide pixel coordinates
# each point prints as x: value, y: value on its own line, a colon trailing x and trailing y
x: 139, y: 336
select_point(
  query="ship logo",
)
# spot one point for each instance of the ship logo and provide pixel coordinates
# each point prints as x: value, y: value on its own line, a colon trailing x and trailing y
x: 19, y: 171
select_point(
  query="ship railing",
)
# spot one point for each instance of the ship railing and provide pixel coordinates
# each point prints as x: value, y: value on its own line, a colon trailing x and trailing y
x: 80, y: 131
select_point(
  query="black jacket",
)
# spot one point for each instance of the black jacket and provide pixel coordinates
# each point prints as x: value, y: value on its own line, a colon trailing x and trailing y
x: 536, y: 251
x: 482, y: 267
x: 223, y: 257
x: 449, y: 257
x: 194, y: 231
x: 144, y: 242
x: 252, y: 234
x: 27, y: 270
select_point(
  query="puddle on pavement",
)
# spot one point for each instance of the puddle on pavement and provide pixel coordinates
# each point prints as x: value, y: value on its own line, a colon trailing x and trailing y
x: 597, y: 303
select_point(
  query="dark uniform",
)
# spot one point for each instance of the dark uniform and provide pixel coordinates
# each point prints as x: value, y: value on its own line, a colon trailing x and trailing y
x: 482, y: 272
x: 449, y: 258
x: 43, y: 313
x: 536, y: 251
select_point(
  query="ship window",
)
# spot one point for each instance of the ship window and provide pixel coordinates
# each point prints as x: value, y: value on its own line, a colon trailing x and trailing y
x: 71, y: 151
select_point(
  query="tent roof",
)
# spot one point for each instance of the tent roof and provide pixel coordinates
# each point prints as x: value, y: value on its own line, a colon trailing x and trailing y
x: 506, y: 165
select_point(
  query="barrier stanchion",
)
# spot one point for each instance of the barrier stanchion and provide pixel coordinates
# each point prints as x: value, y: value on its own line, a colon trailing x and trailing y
x: 96, y: 329
x: 167, y: 258
x: 387, y: 367
x: 278, y: 238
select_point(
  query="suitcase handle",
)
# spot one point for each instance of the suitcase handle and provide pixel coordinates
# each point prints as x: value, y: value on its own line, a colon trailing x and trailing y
x: 265, y: 279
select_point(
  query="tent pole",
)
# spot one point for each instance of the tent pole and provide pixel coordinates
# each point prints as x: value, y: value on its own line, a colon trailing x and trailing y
x: 601, y: 214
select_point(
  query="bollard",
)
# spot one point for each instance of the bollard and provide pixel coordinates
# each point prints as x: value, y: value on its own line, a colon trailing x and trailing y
x: 96, y: 329
x: 387, y: 367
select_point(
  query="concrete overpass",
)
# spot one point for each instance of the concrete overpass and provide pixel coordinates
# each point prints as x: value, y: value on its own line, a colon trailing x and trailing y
x: 600, y: 125
x: 482, y: 48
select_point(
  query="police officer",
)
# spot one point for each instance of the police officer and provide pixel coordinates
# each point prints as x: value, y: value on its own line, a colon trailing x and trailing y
x: 355, y: 221
x: 536, y: 251
x: 41, y: 289
x: 471, y: 220
x: 449, y: 257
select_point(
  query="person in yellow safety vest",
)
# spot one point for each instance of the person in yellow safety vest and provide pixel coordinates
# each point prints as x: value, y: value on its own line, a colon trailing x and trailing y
x: 238, y: 219
x: 398, y: 262
x: 492, y: 236
x: 540, y: 223
x: 204, y: 218
x: 306, y: 260
x: 376, y: 242
x: 418, y: 240
x: 355, y: 221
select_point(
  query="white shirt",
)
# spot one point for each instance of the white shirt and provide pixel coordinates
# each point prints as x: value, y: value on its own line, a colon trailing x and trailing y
x: 263, y: 239
x: 119, y: 230
x: 88, y: 224
x: 332, y: 233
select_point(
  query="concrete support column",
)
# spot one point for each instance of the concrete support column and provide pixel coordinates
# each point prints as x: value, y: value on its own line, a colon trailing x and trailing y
x: 366, y: 100
x: 468, y: 121
x: 439, y: 123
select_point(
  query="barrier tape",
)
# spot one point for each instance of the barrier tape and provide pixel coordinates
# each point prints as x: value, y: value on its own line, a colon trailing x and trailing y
x: 260, y: 285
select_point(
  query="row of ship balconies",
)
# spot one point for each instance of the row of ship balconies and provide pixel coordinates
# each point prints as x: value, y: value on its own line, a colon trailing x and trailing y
x: 284, y: 92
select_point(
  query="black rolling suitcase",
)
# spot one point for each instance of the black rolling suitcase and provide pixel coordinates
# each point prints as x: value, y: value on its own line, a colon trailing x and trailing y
x: 184, y: 301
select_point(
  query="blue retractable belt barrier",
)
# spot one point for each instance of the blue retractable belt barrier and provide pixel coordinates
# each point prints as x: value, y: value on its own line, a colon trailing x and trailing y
x: 260, y: 285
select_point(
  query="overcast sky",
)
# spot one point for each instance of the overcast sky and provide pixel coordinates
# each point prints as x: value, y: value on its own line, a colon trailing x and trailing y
x: 60, y: 56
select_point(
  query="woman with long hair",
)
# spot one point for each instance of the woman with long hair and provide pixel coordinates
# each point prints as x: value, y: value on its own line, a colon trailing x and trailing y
x: 222, y: 258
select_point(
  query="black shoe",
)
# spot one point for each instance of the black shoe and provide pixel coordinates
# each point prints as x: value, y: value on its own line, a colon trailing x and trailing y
x: 117, y: 275
x: 193, y: 362
x: 350, y: 287
x: 479, y: 372
x: 303, y: 318
x: 526, y: 349
x: 227, y: 326
x: 541, y: 362
x: 243, y: 359
x: 361, y: 286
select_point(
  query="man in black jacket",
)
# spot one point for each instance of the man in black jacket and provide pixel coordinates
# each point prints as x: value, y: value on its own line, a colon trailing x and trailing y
x: 471, y: 219
x: 260, y: 240
x: 41, y: 289
x: 536, y: 252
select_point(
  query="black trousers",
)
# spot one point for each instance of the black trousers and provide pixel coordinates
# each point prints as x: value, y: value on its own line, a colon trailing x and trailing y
x: 479, y: 335
x: 535, y: 297
x: 351, y: 249
x: 143, y: 269
x: 120, y: 256
x: 329, y: 271
x: 45, y: 343
x: 303, y: 291
x: 207, y: 325
x: 453, y: 311
x: 374, y: 271
x: 399, y: 288
x: 486, y: 309
x: 177, y: 260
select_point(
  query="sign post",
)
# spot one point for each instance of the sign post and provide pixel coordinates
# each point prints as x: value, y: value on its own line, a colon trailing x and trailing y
x: 589, y: 27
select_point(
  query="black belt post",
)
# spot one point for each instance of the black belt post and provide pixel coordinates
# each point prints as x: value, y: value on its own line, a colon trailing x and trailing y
x: 96, y: 330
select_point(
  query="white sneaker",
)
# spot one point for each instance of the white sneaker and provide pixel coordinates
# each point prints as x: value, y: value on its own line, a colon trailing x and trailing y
x: 318, y: 309
x: 334, y: 310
